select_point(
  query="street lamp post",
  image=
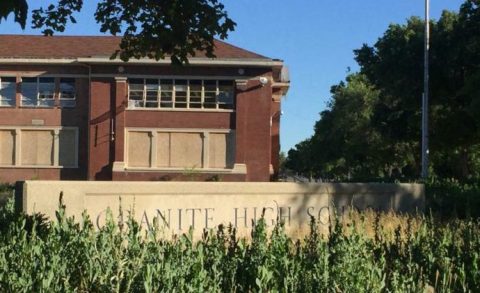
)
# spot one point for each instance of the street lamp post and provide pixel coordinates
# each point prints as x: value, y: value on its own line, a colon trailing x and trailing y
x: 425, y: 151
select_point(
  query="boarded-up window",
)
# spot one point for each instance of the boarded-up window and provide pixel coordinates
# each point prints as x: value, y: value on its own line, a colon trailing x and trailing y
x: 37, y: 148
x: 221, y: 150
x: 139, y: 149
x: 163, y: 149
x: 186, y: 150
x: 67, y: 145
x: 7, y: 147
x: 180, y: 149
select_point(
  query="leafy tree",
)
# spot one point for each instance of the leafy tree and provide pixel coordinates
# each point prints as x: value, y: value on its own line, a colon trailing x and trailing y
x: 394, y: 65
x: 373, y: 124
x: 150, y: 28
x: 301, y: 158
x: 344, y: 145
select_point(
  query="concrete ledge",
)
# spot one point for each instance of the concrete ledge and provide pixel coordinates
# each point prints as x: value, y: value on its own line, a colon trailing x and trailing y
x: 205, y: 205
x: 237, y: 169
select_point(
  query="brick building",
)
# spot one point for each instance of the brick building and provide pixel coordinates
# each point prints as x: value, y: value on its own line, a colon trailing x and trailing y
x: 69, y: 112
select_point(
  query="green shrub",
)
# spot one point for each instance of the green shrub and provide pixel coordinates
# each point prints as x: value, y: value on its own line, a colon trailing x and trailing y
x: 64, y: 255
x: 453, y: 199
x: 6, y: 188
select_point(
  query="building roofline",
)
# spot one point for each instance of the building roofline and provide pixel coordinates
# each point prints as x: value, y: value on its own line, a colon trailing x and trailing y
x: 195, y: 61
x: 88, y: 46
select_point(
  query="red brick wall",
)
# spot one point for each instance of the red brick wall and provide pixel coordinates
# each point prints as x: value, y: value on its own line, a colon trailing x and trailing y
x: 253, y: 130
x: 256, y: 145
x: 275, y: 136
x: 76, y: 117
x: 100, y: 148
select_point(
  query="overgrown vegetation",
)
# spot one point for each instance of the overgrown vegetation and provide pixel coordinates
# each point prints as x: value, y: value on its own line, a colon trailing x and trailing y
x: 451, y: 199
x: 6, y: 188
x: 68, y: 256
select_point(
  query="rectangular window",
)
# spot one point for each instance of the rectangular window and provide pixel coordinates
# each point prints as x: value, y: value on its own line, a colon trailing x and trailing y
x: 139, y: 149
x: 38, y: 91
x: 136, y: 89
x: 159, y: 149
x: 67, y: 93
x: 8, y: 90
x: 46, y: 92
x: 186, y: 150
x: 29, y: 91
x: 39, y: 148
x: 181, y: 94
x: 196, y: 94
x: 210, y: 101
x: 225, y: 94
x: 163, y: 149
x: 151, y: 93
x: 179, y: 150
x: 166, y: 93
x: 7, y: 147
x: 67, y: 147
x: 221, y: 150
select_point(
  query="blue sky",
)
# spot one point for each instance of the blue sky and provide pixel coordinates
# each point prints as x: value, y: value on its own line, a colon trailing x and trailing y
x: 315, y: 38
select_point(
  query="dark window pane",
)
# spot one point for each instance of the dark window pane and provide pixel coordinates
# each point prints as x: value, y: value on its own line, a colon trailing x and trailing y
x: 195, y: 105
x: 67, y: 80
x: 210, y: 85
x: 166, y: 82
x: 67, y: 92
x: 136, y: 95
x: 29, y: 80
x: 180, y: 87
x: 29, y: 91
x: 152, y: 96
x: 152, y: 84
x: 180, y: 82
x: 135, y: 81
x: 225, y: 83
x: 46, y: 80
x: 152, y: 81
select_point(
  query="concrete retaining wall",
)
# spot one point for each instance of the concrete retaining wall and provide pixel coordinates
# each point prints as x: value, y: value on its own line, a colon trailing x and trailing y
x: 181, y: 205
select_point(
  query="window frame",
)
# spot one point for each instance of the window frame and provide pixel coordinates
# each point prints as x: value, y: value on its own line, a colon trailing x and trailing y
x: 188, y: 104
x: 153, y: 132
x: 57, y: 100
x: 2, y: 98
x: 56, y: 146
x: 59, y: 91
x: 38, y: 100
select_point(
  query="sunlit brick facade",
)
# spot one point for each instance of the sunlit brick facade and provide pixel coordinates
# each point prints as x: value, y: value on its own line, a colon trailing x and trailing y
x: 69, y: 112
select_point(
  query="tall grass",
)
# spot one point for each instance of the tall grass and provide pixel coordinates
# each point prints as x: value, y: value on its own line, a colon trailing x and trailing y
x: 358, y: 255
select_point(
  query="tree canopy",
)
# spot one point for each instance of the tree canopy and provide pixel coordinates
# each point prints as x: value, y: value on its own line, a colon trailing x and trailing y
x: 150, y: 28
x: 372, y: 126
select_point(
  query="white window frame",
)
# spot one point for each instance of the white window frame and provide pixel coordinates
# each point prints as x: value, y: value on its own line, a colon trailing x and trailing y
x: 38, y: 100
x: 56, y: 147
x: 188, y: 107
x: 2, y: 98
x: 204, y: 168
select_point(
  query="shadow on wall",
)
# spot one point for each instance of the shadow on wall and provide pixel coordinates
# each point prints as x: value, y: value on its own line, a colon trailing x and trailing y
x: 382, y: 197
x: 74, y: 114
